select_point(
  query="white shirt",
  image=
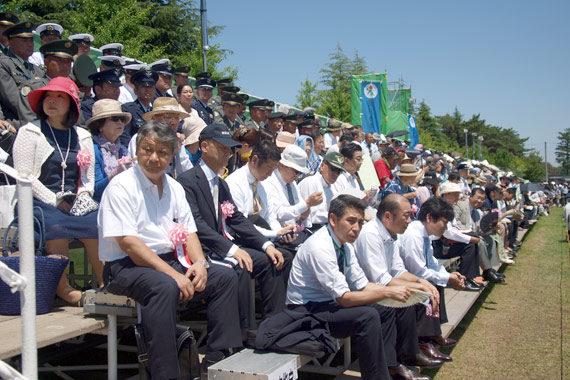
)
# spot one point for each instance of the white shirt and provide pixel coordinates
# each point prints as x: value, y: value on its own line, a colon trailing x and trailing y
x: 181, y: 159
x: 320, y: 213
x: 345, y: 180
x: 126, y: 94
x: 378, y: 253
x: 240, y: 183
x: 37, y: 58
x: 373, y: 148
x: 464, y: 185
x: 130, y: 206
x: 453, y: 233
x: 315, y: 275
x: 334, y: 148
x: 329, y: 139
x: 566, y: 213
x: 418, y: 258
x: 284, y: 212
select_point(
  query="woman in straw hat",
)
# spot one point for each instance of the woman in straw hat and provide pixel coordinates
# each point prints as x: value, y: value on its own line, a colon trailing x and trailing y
x: 60, y: 157
x: 107, y: 125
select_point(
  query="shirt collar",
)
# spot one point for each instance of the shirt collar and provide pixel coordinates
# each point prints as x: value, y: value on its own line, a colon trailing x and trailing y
x: 325, y: 184
x: 146, y: 183
x: 384, y: 233
x: 250, y: 178
x: 277, y: 174
x: 209, y: 172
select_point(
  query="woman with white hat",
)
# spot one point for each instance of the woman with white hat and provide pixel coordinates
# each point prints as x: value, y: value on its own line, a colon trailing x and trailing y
x: 107, y: 125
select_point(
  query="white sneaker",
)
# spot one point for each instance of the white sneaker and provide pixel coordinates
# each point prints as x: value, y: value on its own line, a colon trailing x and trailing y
x: 508, y: 261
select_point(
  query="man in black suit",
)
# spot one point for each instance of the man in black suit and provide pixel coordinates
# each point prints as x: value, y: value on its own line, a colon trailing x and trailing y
x: 227, y: 236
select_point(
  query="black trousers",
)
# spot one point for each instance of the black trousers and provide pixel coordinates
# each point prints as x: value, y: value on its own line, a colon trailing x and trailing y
x: 272, y: 283
x: 469, y: 265
x: 158, y: 295
x: 363, y: 325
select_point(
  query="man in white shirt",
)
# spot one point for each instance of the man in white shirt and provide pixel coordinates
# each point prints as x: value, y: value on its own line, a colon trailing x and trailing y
x: 417, y: 254
x: 334, y: 130
x: 463, y: 170
x: 327, y: 282
x: 352, y: 153
x: 378, y: 253
x: 136, y: 214
x: 330, y: 169
x: 247, y: 185
x: 246, y: 250
x: 458, y: 243
x: 127, y: 91
x: 369, y: 146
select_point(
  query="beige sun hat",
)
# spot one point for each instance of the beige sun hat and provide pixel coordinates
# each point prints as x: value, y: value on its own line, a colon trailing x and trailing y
x: 163, y: 105
x: 407, y: 170
x: 449, y: 187
x: 284, y: 139
x: 105, y: 108
x: 191, y: 129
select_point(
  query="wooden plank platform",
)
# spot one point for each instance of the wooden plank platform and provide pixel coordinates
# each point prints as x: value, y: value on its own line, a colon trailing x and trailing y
x: 59, y: 325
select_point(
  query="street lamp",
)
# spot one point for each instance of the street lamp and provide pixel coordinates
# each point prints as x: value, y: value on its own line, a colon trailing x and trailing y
x: 480, y: 154
x: 474, y: 138
x: 466, y: 144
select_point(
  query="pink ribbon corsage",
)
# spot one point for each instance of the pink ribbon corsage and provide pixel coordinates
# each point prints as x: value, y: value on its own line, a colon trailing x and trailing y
x: 227, y: 209
x: 83, y: 161
x: 178, y: 235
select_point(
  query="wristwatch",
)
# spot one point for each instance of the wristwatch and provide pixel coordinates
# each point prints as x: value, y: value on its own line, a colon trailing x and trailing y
x: 204, y: 263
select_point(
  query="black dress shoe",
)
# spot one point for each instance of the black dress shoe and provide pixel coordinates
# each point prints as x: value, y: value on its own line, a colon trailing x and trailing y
x: 432, y: 352
x: 471, y: 286
x: 421, y: 360
x: 210, y: 358
x: 443, y: 342
x: 491, y: 276
x: 402, y: 372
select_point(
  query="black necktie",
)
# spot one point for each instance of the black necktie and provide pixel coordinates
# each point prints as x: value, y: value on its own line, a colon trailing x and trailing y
x: 290, y: 194
x: 340, y: 259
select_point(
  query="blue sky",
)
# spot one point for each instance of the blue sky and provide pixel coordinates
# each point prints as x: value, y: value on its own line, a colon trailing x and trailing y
x: 505, y: 60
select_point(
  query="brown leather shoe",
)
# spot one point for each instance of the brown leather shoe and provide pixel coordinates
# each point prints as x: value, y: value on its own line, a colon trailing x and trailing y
x: 443, y: 342
x: 402, y: 372
x: 431, y: 351
x: 421, y: 360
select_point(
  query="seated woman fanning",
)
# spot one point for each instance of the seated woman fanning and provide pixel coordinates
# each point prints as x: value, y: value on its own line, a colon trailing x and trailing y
x: 106, y: 126
x: 60, y: 157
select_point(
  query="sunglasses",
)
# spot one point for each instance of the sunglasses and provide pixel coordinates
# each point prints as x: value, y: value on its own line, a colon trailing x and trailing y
x: 122, y: 119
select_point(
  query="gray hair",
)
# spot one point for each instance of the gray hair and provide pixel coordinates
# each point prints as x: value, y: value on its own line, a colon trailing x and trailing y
x: 161, y: 131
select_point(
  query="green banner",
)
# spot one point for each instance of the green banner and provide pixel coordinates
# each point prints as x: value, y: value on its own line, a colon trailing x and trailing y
x: 356, y: 97
x: 399, y: 99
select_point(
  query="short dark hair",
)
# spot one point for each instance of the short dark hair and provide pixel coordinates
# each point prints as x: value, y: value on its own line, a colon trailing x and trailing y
x: 437, y: 208
x: 347, y: 137
x: 477, y: 190
x: 454, y: 176
x: 340, y: 204
x: 180, y: 88
x: 72, y: 113
x: 315, y: 134
x: 265, y: 150
x: 159, y: 129
x: 349, y: 149
x: 390, y: 203
x: 95, y: 125
x: 511, y: 190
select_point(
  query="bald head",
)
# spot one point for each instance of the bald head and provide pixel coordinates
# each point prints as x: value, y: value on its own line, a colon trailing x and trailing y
x: 395, y: 213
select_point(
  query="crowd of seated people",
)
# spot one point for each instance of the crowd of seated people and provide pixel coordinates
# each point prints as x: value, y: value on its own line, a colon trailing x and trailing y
x: 178, y: 195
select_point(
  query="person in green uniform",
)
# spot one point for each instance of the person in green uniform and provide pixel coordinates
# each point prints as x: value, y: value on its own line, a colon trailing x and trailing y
x: 7, y: 19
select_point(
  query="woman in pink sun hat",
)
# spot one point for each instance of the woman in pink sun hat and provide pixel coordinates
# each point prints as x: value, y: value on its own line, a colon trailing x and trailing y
x: 59, y: 156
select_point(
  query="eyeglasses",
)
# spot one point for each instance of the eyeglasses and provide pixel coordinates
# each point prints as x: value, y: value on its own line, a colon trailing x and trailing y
x: 122, y: 119
x: 296, y: 172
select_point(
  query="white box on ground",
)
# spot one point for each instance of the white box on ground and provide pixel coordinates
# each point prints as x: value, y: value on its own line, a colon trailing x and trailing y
x: 256, y: 365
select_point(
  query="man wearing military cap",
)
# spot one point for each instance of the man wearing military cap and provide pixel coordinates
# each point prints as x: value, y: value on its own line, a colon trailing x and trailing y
x: 274, y: 123
x: 215, y: 102
x: 144, y: 82
x: 111, y: 62
x: 306, y: 127
x: 290, y: 124
x: 17, y: 76
x: 83, y: 41
x: 231, y: 103
x: 106, y: 85
x: 127, y: 90
x: 258, y: 112
x: 7, y: 19
x: 334, y: 130
x: 58, y: 57
x: 204, y: 87
x: 113, y: 49
x: 165, y: 72
x: 181, y: 77
x: 48, y: 32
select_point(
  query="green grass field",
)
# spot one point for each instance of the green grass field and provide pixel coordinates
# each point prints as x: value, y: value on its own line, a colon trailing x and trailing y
x: 521, y: 330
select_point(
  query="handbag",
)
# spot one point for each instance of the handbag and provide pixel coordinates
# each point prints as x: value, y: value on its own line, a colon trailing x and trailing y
x: 8, y: 199
x: 49, y: 269
x: 188, y: 360
x: 83, y: 205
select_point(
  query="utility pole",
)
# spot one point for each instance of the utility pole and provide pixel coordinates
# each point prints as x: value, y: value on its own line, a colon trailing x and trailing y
x: 480, y: 153
x: 204, y: 22
x: 466, y: 144
x: 545, y: 162
x: 474, y: 138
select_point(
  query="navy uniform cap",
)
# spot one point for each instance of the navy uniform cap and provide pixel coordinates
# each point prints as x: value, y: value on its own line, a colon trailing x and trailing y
x: 163, y: 68
x: 306, y: 124
x: 232, y: 99
x: 244, y: 96
x: 7, y: 18
x: 268, y: 104
x: 145, y: 77
x: 59, y: 48
x: 275, y: 115
x: 49, y: 29
x: 290, y: 119
x: 182, y: 70
x: 257, y: 104
x: 109, y: 76
x: 233, y: 89
x: 113, y: 49
x: 112, y: 61
x: 82, y: 39
x: 225, y: 82
x: 203, y: 75
x: 22, y: 29
x: 205, y: 83
x: 219, y: 133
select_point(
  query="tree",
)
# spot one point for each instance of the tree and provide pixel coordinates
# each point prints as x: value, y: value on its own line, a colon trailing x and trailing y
x: 534, y: 167
x: 563, y: 151
x: 307, y: 96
